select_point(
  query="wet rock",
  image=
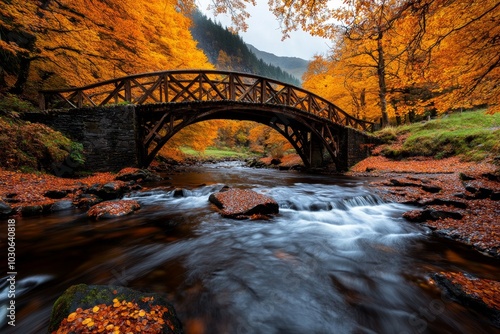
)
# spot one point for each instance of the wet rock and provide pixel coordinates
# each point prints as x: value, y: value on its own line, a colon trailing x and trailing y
x: 136, y: 174
x: 495, y: 196
x: 178, y: 192
x: 5, y: 209
x: 421, y: 216
x: 11, y: 198
x: 447, y: 202
x: 56, y: 194
x: 85, y: 201
x: 109, y: 191
x: 31, y: 210
x: 492, y: 176
x: 432, y: 189
x: 398, y: 183
x: 465, y: 177
x: 470, y: 188
x: 255, y: 163
x: 457, y: 292
x: 113, y: 209
x: 85, y: 297
x: 483, y: 193
x: 62, y: 206
x: 275, y: 161
x: 243, y: 203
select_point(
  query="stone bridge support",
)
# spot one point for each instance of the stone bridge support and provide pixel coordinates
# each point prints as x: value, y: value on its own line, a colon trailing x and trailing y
x: 109, y: 134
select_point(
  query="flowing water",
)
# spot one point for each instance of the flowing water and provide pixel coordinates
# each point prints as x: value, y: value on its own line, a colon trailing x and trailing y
x: 336, y: 259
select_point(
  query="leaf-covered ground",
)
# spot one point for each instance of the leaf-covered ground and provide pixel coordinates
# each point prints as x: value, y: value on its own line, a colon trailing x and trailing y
x: 22, y: 189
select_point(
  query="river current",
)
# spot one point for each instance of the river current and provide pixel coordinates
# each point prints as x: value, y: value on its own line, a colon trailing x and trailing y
x: 336, y: 259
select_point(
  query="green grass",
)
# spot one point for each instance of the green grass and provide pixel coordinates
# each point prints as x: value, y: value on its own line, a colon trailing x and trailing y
x: 215, y: 153
x: 472, y: 135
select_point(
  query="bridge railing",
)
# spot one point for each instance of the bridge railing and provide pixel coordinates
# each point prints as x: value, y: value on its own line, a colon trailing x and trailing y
x: 198, y: 85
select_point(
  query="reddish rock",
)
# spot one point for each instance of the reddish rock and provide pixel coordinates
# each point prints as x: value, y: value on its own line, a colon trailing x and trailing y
x: 243, y: 203
x: 113, y: 209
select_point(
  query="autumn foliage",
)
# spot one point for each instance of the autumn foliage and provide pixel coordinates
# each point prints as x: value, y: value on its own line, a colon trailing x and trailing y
x: 393, y: 59
x: 121, y: 317
x: 53, y: 44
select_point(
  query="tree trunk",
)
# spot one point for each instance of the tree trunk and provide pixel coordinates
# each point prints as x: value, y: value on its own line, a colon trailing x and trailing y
x: 381, y: 81
x: 22, y: 75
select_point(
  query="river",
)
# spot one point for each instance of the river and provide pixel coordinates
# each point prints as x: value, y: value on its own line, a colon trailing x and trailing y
x: 336, y: 259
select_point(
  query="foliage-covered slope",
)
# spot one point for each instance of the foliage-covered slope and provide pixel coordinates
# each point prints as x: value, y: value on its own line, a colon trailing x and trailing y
x: 52, y: 44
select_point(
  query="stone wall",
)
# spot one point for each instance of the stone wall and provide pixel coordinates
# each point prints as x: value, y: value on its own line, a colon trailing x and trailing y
x: 108, y: 134
x: 359, y: 146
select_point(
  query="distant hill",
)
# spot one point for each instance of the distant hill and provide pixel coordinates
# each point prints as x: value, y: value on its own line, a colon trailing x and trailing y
x: 228, y: 51
x: 293, y: 65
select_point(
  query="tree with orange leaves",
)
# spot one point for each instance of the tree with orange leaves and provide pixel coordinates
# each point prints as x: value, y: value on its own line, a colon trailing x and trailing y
x: 48, y: 44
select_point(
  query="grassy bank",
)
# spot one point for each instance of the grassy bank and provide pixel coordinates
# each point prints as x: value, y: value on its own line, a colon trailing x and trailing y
x: 215, y: 153
x: 473, y: 135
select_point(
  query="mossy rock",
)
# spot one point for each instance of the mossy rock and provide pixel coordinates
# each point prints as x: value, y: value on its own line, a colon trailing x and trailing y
x: 87, y: 296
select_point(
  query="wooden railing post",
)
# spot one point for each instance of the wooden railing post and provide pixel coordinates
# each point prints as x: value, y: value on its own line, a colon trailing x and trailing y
x: 232, y: 92
x: 128, y: 91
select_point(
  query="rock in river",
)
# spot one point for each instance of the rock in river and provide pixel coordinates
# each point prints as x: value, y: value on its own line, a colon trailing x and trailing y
x: 113, y: 209
x: 243, y: 203
x: 107, y: 308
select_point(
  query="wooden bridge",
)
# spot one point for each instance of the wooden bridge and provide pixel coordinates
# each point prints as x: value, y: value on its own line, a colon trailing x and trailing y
x: 168, y: 101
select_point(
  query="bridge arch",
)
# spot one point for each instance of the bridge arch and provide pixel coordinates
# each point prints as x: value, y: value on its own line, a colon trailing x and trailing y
x: 167, y: 101
x: 310, y: 136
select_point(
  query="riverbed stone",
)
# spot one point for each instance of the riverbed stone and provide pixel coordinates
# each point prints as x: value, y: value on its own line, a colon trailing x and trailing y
x: 85, y: 201
x: 136, y: 174
x: 110, y: 190
x: 56, y: 194
x: 84, y: 297
x: 113, y: 209
x: 31, y: 210
x: 62, y: 206
x: 243, y: 203
x: 421, y: 216
x: 5, y: 209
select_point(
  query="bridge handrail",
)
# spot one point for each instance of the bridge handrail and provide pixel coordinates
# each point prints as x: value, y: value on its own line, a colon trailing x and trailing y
x: 348, y: 119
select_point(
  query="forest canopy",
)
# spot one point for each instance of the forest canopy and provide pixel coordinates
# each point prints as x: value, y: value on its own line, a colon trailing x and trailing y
x: 397, y: 58
x: 58, y: 43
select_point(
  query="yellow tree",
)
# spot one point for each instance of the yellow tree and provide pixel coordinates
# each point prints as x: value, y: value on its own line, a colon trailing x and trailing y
x: 57, y: 43
x: 459, y: 52
x: 367, y: 25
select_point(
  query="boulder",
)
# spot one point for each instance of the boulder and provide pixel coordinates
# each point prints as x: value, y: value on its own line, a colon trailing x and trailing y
x: 432, y: 189
x: 243, y: 203
x: 178, y: 192
x: 5, y: 209
x: 109, y: 308
x: 421, y: 216
x: 136, y: 174
x: 109, y: 191
x: 56, y: 194
x: 61, y: 206
x: 85, y: 201
x: 31, y: 210
x: 113, y: 209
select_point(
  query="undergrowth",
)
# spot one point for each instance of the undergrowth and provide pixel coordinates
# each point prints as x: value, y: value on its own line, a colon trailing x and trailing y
x: 31, y: 147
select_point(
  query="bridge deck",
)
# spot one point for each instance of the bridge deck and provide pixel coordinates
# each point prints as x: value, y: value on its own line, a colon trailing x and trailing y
x: 199, y: 85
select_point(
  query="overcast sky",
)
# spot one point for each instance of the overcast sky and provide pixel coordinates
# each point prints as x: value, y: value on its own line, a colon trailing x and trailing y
x: 264, y: 33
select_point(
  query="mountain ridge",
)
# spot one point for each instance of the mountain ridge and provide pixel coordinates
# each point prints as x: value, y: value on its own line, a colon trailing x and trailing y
x: 294, y: 65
